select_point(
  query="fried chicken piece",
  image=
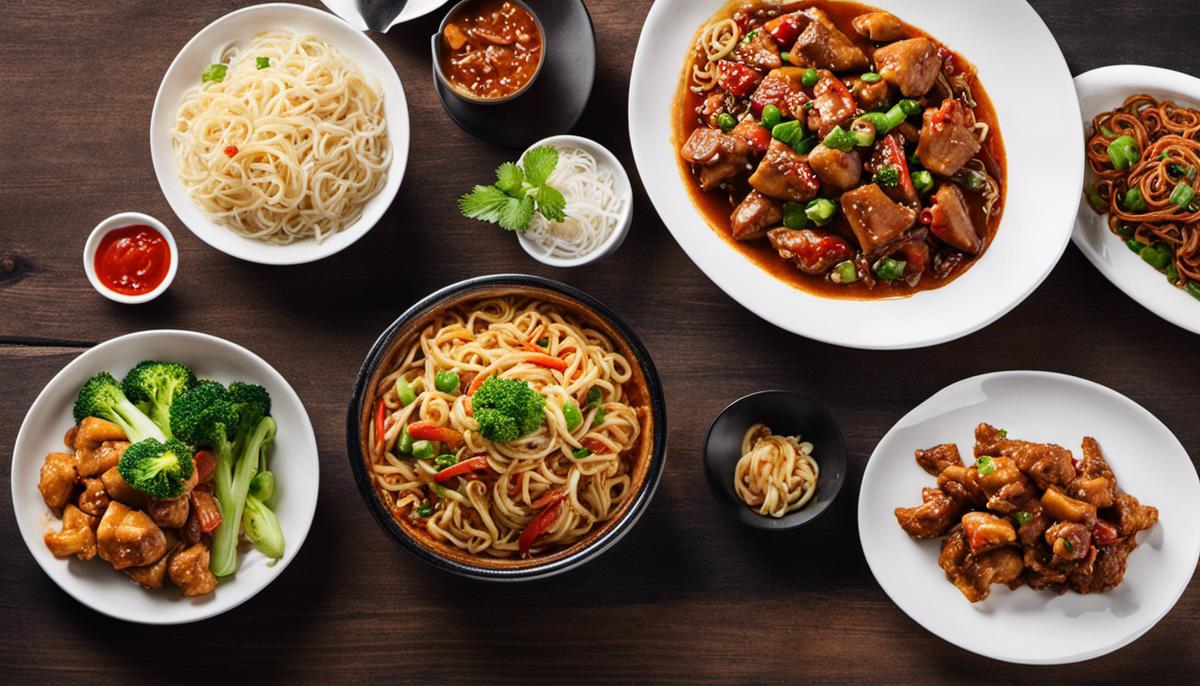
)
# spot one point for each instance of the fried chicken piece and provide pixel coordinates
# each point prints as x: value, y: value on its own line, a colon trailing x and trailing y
x: 129, y: 538
x: 98, y: 446
x: 57, y: 480
x: 94, y: 499
x: 189, y: 571
x: 932, y: 518
x: 76, y: 537
x: 935, y: 460
x: 1046, y: 464
x: 974, y: 575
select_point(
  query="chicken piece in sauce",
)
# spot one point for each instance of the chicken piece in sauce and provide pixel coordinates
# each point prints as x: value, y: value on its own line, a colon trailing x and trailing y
x: 754, y: 215
x: 951, y: 220
x: 838, y: 171
x: 189, y: 571
x: 947, y: 140
x: 119, y: 489
x: 757, y: 49
x: 934, y: 460
x: 76, y: 536
x: 56, y: 481
x: 129, y: 538
x: 932, y: 518
x: 1132, y: 516
x: 782, y: 88
x: 974, y: 575
x: 94, y: 498
x: 986, y: 532
x: 151, y: 576
x: 911, y: 66
x: 879, y: 26
x: 1069, y: 540
x: 98, y: 446
x: 876, y: 219
x: 1046, y: 463
x: 962, y: 484
x: 784, y: 174
x: 718, y: 156
x: 1094, y: 482
x: 823, y: 46
x: 833, y: 104
x: 1006, y: 487
x: 812, y: 252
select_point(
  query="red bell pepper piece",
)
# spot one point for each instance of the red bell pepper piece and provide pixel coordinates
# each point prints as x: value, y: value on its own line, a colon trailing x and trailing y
x: 380, y: 422
x: 538, y: 525
x: 208, y: 514
x: 737, y: 79
x: 785, y: 29
x: 892, y: 152
x: 472, y: 465
x: 425, y: 430
x: 1104, y: 533
x: 206, y: 465
x: 756, y: 135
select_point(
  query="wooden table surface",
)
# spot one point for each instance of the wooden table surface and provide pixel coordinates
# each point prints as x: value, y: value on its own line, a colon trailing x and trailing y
x: 688, y: 595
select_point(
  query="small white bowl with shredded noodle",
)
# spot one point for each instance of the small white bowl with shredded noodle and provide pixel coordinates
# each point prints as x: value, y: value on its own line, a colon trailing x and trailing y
x: 599, y: 205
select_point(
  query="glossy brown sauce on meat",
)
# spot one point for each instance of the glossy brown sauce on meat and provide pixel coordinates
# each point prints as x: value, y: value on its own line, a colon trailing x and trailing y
x: 717, y: 205
x: 493, y: 48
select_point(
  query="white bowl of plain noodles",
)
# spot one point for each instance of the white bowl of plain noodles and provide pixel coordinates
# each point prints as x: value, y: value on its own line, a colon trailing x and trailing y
x: 599, y: 205
x: 271, y: 179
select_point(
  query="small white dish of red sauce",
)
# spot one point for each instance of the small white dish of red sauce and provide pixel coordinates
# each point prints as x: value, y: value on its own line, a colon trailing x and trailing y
x: 130, y: 258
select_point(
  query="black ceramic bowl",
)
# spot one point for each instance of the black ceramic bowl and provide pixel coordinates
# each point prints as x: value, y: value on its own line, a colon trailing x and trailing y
x: 788, y: 414
x: 646, y: 392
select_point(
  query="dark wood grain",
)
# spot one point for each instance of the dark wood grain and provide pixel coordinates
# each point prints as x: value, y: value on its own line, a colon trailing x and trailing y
x: 689, y: 595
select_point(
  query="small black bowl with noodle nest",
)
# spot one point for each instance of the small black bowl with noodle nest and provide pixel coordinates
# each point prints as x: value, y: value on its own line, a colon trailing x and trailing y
x: 785, y: 414
x: 641, y: 460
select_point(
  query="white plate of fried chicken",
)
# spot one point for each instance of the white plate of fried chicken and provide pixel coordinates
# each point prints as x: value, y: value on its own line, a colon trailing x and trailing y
x: 1038, y: 507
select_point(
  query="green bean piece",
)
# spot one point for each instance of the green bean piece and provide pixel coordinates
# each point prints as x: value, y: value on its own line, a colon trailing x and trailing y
x: 1172, y: 273
x: 1193, y: 289
x: 404, y: 444
x: 909, y: 107
x: 895, y: 117
x: 598, y: 418
x: 771, y: 116
x: 422, y: 450
x: 424, y: 510
x: 794, y: 216
x: 445, y: 460
x: 844, y: 272
x: 840, y: 139
x: 788, y: 132
x: 1155, y: 258
x: 821, y: 211
x: 404, y: 391
x: 1123, y: 152
x: 1134, y: 202
x: 889, y: 269
x: 871, y: 77
x: 446, y: 381
x: 922, y: 181
x: 863, y: 132
x: 581, y: 453
x: 572, y: 414
x: 1094, y: 199
x: 877, y: 120
x: 1135, y: 245
x: 595, y: 396
x: 805, y: 145
x: 1183, y: 195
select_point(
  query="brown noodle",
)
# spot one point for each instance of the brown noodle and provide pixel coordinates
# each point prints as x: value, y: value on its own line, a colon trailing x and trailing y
x: 1167, y: 135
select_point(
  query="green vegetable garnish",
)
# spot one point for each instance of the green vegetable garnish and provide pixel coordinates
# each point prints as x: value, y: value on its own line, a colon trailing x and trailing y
x: 844, y: 272
x: 157, y: 469
x: 922, y: 181
x: 821, y: 211
x: 213, y: 72
x: 519, y: 191
x: 888, y: 176
x: 810, y: 77
x: 1024, y: 517
x: 726, y: 121
x: 422, y: 450
x: 572, y: 415
x: 794, y: 216
x: 871, y: 77
x: 445, y: 460
x: 889, y: 269
x: 262, y: 62
x: 424, y: 510
x: 507, y: 409
x: 581, y: 453
x: 404, y: 391
x: 1134, y: 202
x: 985, y: 465
x: 446, y: 381
x: 1067, y: 544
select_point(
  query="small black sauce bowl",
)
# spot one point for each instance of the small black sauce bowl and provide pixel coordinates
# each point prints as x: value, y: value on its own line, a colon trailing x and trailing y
x: 787, y: 414
x: 446, y: 557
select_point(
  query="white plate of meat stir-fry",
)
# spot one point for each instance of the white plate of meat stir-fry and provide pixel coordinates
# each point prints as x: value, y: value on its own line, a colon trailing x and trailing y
x: 868, y: 178
x: 1041, y: 508
x: 165, y: 476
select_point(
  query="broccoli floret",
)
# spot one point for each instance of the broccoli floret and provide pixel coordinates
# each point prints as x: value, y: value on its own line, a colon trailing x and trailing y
x: 153, y: 386
x: 157, y: 469
x: 204, y: 417
x: 507, y: 409
x: 102, y: 397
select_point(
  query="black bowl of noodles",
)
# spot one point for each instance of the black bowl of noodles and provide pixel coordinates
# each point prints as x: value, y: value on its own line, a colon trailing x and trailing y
x: 775, y: 441
x: 507, y: 428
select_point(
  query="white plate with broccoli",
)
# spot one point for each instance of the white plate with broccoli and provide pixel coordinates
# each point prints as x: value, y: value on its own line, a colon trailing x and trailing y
x: 261, y: 473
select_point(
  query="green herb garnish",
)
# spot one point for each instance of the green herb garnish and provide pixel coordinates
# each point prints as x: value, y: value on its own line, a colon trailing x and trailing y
x: 519, y: 191
x: 985, y: 465
x: 888, y: 176
x: 424, y: 510
x: 213, y: 72
x: 262, y: 62
x: 1024, y: 517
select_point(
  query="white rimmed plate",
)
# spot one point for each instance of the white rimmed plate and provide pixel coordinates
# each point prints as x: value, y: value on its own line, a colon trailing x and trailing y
x: 1045, y: 165
x: 348, y: 10
x: 238, y: 28
x: 94, y: 582
x: 1027, y: 626
x: 1100, y: 90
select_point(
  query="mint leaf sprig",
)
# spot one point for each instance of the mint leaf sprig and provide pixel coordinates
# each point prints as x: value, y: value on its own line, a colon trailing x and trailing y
x: 519, y: 191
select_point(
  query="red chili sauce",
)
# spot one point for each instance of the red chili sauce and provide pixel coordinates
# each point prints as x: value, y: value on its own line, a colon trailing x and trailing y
x: 132, y: 260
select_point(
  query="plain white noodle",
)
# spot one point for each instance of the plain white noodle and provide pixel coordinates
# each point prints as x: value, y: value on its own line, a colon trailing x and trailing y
x: 593, y: 207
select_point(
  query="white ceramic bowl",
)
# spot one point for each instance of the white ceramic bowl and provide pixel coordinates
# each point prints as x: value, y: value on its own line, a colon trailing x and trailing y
x: 1045, y: 155
x: 621, y: 186
x: 348, y: 10
x: 1100, y: 90
x: 94, y: 582
x: 118, y: 221
x: 1027, y: 626
x: 239, y: 27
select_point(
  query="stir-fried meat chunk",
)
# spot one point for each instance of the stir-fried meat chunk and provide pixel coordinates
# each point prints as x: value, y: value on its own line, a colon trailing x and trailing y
x: 1095, y: 482
x: 782, y: 88
x: 986, y: 532
x: 758, y: 50
x: 823, y: 46
x: 974, y: 575
x: 98, y: 446
x: 1035, y: 524
x: 880, y: 27
x: 930, y: 519
x: 189, y: 571
x: 718, y: 155
x: 1106, y: 571
x: 785, y: 175
x: 56, y: 481
x: 946, y: 142
x: 833, y: 104
x: 1046, y: 463
x: 1069, y: 540
x: 754, y: 215
x: 94, y: 499
x: 951, y: 221
x: 838, y: 171
x: 1132, y: 516
x: 173, y: 512
x: 910, y: 65
x: 1006, y: 487
x: 119, y: 489
x: 875, y: 219
x: 1064, y: 508
x: 76, y: 537
x: 934, y: 460
x: 151, y: 576
x: 962, y: 484
x: 811, y: 251
x: 129, y: 538
x: 870, y: 95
